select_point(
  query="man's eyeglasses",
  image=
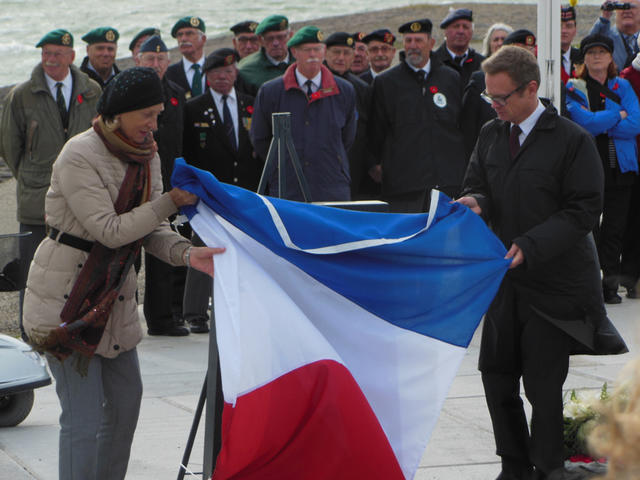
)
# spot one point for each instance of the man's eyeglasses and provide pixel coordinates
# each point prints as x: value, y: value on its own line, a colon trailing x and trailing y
x: 500, y: 99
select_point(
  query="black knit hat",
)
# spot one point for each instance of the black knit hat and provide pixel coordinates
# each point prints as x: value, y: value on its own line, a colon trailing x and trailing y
x: 132, y: 89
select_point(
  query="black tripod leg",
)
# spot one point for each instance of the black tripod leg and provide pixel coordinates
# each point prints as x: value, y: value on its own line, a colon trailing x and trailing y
x: 194, y: 430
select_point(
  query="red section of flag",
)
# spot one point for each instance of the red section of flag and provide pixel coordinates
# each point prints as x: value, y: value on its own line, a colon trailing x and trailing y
x: 313, y: 423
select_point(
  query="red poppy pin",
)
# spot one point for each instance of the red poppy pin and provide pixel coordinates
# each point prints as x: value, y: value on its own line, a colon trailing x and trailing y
x: 80, y: 99
x: 602, y: 95
x: 174, y: 101
x: 249, y: 110
x: 468, y: 60
x: 615, y: 86
x: 433, y: 89
x: 315, y: 96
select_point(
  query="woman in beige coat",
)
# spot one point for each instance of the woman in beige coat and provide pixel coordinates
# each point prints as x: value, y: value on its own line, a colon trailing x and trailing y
x: 104, y: 203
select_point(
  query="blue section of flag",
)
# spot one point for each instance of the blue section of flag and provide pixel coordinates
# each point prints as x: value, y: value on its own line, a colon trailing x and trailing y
x: 438, y: 283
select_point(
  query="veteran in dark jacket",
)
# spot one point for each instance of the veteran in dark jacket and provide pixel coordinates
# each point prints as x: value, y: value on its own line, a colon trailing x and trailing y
x: 164, y: 283
x: 414, y: 125
x: 323, y: 121
x: 188, y: 72
x: 216, y: 139
x: 455, y: 51
x: 537, y: 179
x: 100, y: 62
x: 339, y: 57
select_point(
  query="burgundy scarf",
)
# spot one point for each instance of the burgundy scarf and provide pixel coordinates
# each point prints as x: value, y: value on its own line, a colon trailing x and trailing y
x: 89, y: 305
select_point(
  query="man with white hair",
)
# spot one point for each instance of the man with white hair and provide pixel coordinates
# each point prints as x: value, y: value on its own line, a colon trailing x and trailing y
x: 188, y: 72
x: 39, y: 116
x: 624, y: 32
x: 455, y: 51
x: 323, y: 121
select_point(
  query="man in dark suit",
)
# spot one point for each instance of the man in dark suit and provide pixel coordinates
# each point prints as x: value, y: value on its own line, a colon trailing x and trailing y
x: 381, y: 52
x: 537, y: 178
x: 414, y: 125
x: 455, y: 51
x: 216, y: 139
x: 188, y: 72
x: 570, y: 55
x: 164, y: 284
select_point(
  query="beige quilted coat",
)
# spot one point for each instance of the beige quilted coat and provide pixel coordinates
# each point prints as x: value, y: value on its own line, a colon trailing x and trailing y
x: 84, y: 186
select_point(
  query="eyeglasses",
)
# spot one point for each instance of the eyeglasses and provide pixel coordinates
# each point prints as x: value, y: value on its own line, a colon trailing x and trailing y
x: 381, y: 49
x: 500, y: 99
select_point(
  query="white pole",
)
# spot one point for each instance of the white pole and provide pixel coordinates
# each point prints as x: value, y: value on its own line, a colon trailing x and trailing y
x: 549, y: 50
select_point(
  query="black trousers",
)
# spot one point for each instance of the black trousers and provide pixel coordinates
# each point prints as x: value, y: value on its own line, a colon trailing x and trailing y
x: 197, y: 291
x: 630, y: 266
x: 164, y: 290
x: 415, y: 202
x: 28, y: 246
x: 610, y: 233
x: 538, y: 352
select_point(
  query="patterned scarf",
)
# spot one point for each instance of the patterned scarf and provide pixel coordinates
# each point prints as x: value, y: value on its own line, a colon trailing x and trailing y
x: 87, y: 310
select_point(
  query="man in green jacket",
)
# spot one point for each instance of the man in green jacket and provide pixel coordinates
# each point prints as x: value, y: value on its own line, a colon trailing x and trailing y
x: 272, y: 59
x: 40, y: 115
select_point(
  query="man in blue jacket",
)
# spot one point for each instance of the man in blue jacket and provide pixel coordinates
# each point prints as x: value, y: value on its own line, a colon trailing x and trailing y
x: 323, y: 121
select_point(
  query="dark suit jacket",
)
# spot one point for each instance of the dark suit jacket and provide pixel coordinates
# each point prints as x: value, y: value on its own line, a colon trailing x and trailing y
x: 367, y: 76
x: 176, y: 74
x: 84, y: 67
x: 470, y: 65
x: 207, y: 146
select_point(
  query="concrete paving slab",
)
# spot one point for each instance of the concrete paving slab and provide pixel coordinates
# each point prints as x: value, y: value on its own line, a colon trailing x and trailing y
x: 173, y: 369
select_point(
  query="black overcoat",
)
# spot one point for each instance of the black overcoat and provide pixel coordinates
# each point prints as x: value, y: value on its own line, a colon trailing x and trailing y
x: 547, y: 201
x: 471, y: 63
x: 207, y: 146
x: 170, y: 128
x: 414, y: 130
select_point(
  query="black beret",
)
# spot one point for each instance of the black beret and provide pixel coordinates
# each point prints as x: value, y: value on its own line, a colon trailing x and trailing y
x: 458, y: 14
x: 248, y: 26
x: 358, y: 36
x: 382, y: 35
x: 596, y: 40
x: 417, y: 26
x: 188, y: 22
x: 58, y: 36
x: 153, y: 44
x: 342, y: 39
x: 567, y: 13
x: 147, y: 32
x: 101, y: 35
x: 132, y: 89
x: 522, y: 36
x: 221, y: 57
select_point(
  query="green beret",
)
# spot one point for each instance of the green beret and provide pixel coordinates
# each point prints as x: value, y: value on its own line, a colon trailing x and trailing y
x: 307, y: 34
x: 273, y: 23
x: 188, y: 22
x: 147, y: 32
x: 101, y: 35
x: 57, y: 37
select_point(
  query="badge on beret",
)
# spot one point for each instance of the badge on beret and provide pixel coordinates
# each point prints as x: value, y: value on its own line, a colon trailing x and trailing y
x: 415, y: 27
x: 388, y: 38
x: 320, y: 36
x: 283, y: 24
x: 194, y: 21
x: 228, y: 60
x: 349, y: 41
x: 530, y: 40
x: 440, y: 100
x: 253, y: 26
x: 157, y: 48
x: 66, y: 39
x: 360, y: 35
x: 110, y: 36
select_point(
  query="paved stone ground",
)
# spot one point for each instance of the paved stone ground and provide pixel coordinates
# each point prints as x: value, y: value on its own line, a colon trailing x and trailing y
x: 173, y: 369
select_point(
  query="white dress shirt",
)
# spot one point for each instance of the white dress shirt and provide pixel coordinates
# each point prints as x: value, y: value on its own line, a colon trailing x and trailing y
x: 316, y: 81
x: 67, y: 87
x: 232, y: 102
x: 188, y: 71
x: 528, y: 123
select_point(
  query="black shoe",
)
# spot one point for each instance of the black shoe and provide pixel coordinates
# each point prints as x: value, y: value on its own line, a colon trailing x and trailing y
x: 173, y: 330
x: 612, y: 298
x: 199, y: 326
x: 632, y: 292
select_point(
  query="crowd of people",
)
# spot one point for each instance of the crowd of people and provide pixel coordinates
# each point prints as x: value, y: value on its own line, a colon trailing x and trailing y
x: 364, y: 125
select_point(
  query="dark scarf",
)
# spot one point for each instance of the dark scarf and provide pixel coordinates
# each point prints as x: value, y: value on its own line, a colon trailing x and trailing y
x: 89, y: 305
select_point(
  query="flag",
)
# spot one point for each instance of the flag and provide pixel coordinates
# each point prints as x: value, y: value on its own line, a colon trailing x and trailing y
x: 339, y: 332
